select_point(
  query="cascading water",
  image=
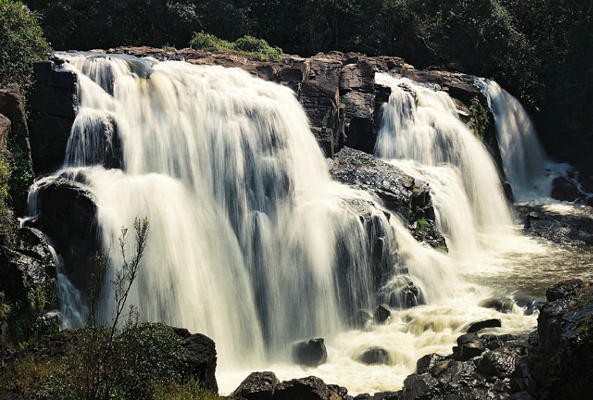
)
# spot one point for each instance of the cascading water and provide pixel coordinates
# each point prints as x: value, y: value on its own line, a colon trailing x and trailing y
x: 525, y: 163
x: 250, y: 242
x: 422, y: 134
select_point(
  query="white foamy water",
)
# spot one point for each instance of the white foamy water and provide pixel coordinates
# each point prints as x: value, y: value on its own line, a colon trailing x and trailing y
x: 251, y: 242
x: 526, y: 166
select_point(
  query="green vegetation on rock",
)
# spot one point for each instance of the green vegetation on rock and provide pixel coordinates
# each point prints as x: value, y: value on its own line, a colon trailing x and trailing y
x: 248, y: 46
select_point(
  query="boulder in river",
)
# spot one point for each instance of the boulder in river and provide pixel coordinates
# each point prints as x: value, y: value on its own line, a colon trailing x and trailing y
x: 310, y: 353
x: 382, y: 314
x: 500, y: 304
x: 468, y: 346
x: 374, y: 356
x: 257, y: 386
x: 488, y: 323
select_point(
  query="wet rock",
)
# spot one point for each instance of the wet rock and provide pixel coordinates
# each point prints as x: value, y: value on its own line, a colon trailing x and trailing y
x: 382, y: 314
x: 67, y: 213
x: 257, y: 386
x: 54, y: 105
x: 28, y: 266
x: 418, y: 386
x: 500, y: 363
x: 564, y: 290
x: 402, y: 292
x: 425, y: 364
x: 493, y: 342
x: 310, y: 388
x: 374, y: 356
x: 200, y: 360
x: 362, y: 318
x: 560, y: 361
x: 565, y: 190
x: 398, y: 191
x: 489, y: 323
x: 310, y: 353
x: 468, y: 346
x: 500, y: 304
x: 573, y: 227
x: 530, y: 304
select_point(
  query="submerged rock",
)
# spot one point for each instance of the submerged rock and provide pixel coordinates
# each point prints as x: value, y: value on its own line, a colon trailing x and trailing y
x: 310, y: 353
x: 500, y: 304
x: 374, y: 355
x: 489, y: 323
x: 382, y: 314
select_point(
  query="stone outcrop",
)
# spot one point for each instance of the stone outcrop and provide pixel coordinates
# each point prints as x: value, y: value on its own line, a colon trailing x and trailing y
x: 199, y: 359
x: 265, y: 386
x: 337, y: 90
x: 14, y: 135
x: 54, y: 104
x: 561, y: 358
x: 573, y: 227
x: 398, y: 191
x: 67, y: 213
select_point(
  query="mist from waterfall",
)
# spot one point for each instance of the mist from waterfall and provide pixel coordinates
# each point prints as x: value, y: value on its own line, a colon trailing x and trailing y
x: 525, y: 164
x: 422, y: 134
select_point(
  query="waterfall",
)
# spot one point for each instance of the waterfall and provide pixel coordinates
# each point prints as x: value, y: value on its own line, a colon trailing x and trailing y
x: 525, y: 163
x: 250, y: 240
x: 422, y: 134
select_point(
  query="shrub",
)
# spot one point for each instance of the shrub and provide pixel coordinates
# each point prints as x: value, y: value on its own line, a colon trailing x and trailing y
x: 21, y: 43
x: 206, y: 41
x: 248, y: 46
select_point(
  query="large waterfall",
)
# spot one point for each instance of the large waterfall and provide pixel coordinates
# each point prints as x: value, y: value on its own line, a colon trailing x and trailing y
x: 250, y: 241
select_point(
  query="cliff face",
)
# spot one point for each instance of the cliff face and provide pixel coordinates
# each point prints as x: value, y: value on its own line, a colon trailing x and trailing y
x: 337, y: 90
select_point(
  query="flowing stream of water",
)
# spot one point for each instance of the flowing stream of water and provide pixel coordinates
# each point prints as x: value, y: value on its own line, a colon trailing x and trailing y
x: 250, y: 239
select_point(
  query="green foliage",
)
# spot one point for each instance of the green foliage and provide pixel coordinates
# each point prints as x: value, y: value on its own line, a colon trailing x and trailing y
x: 21, y: 176
x: 248, y: 46
x: 21, y: 43
x: 421, y: 224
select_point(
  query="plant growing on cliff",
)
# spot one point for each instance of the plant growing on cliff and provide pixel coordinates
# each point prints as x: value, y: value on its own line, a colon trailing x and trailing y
x: 248, y: 46
x: 21, y: 44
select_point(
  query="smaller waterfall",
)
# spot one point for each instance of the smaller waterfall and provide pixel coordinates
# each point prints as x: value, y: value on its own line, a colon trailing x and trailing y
x: 525, y: 163
x: 422, y: 134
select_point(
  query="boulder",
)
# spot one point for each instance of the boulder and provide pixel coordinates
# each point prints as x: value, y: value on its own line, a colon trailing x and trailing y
x: 257, y: 386
x: 573, y: 228
x: 382, y: 314
x: 310, y: 353
x: 67, y: 213
x: 564, y: 290
x: 489, y: 323
x: 374, y: 356
x: 27, y: 266
x: 398, y: 191
x: 565, y: 190
x: 402, y: 292
x: 468, y: 346
x: 200, y: 360
x: 500, y: 304
x: 310, y: 388
x: 499, y: 363
x: 425, y: 364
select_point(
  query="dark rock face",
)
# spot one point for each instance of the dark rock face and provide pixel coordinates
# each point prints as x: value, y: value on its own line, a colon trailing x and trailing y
x: 402, y: 292
x: 67, y: 213
x: 398, y: 191
x: 561, y: 359
x: 565, y: 190
x: 257, y: 386
x: 489, y: 323
x: 382, y: 314
x: 54, y: 104
x: 374, y: 356
x: 15, y: 130
x: 200, y: 360
x: 310, y: 388
x: 27, y: 265
x: 500, y: 304
x: 468, y: 346
x: 573, y: 229
x: 310, y: 353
